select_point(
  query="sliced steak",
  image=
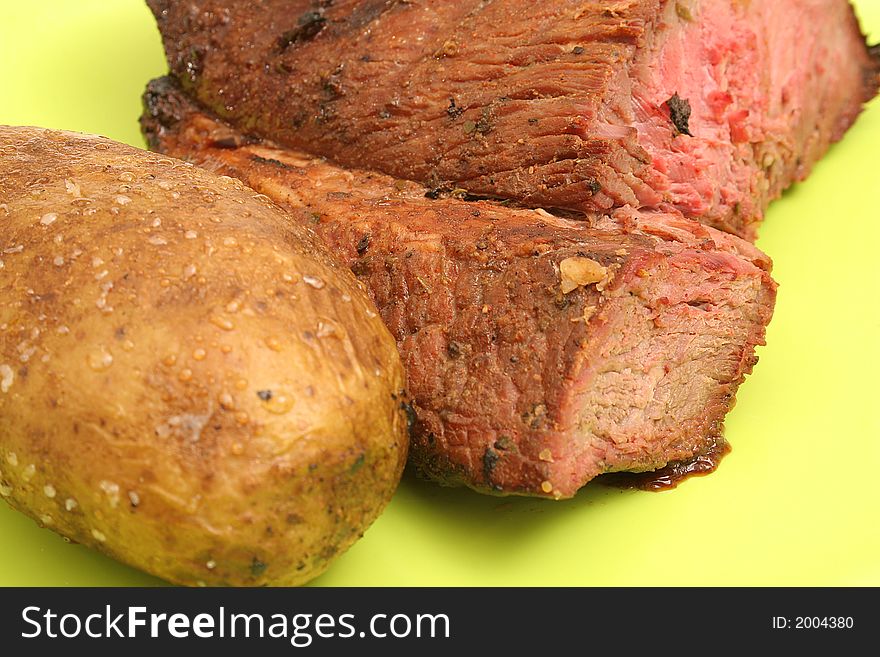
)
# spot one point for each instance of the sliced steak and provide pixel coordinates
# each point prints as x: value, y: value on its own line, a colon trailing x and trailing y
x: 710, y: 107
x: 540, y: 352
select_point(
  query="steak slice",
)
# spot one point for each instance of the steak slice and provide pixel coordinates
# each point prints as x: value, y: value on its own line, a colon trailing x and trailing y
x: 540, y: 352
x: 709, y: 107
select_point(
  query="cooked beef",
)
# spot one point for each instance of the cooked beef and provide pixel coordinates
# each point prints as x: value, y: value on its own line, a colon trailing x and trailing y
x: 540, y: 352
x: 710, y: 107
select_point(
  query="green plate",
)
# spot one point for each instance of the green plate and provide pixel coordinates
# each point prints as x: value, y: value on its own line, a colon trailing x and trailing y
x: 795, y: 503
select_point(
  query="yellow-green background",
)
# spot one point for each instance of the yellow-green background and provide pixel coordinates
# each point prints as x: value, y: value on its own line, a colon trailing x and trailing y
x: 796, y: 503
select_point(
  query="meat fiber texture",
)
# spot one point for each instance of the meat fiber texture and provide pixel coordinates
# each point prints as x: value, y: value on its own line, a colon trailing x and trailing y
x: 708, y: 107
x: 540, y: 352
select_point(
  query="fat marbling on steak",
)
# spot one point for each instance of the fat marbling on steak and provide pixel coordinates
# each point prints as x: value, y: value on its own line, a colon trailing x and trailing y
x: 540, y: 352
x: 709, y: 107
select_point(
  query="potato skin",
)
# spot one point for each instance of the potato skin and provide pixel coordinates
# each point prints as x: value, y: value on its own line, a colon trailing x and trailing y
x: 188, y: 382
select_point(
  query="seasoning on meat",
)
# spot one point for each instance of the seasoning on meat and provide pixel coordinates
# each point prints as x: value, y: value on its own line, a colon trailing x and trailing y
x: 515, y: 385
x: 552, y: 108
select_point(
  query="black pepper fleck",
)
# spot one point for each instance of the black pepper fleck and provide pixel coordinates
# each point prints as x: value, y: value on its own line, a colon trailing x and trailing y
x: 504, y: 443
x: 437, y: 192
x: 453, y: 111
x: 269, y: 160
x: 680, y: 113
x: 490, y: 460
x: 363, y: 244
x: 258, y: 567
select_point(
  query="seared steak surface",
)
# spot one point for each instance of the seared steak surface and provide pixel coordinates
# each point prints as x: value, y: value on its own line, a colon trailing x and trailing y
x: 708, y: 107
x: 540, y: 352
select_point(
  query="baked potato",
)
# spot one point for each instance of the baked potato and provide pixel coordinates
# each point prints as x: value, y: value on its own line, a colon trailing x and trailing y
x: 188, y: 382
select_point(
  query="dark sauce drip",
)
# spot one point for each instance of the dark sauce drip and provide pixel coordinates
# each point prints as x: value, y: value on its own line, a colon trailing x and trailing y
x: 673, y: 474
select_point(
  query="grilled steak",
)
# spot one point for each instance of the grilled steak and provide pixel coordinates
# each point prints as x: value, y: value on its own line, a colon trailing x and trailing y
x: 540, y: 352
x: 710, y: 107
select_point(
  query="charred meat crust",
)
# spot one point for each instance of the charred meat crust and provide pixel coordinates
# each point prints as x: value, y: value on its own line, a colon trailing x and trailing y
x: 516, y: 384
x: 561, y: 105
